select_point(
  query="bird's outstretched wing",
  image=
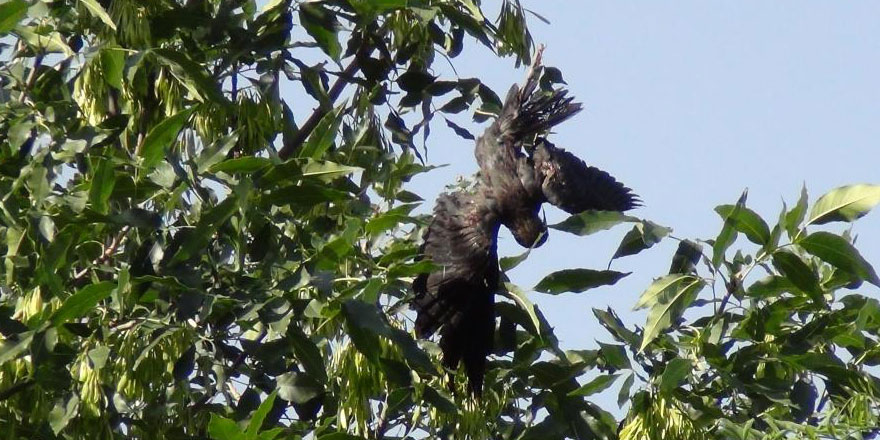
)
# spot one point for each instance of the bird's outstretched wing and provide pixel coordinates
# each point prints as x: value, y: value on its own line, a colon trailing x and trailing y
x: 458, y: 297
x: 569, y: 183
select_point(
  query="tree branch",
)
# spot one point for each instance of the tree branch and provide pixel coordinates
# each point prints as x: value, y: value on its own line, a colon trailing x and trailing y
x: 11, y: 391
x: 319, y: 113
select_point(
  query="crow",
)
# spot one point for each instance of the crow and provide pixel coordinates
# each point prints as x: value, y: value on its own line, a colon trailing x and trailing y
x: 519, y: 171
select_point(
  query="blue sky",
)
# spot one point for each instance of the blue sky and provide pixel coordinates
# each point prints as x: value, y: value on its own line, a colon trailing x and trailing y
x: 689, y: 103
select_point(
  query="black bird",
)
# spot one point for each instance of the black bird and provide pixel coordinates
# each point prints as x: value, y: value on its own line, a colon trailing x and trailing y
x: 519, y: 171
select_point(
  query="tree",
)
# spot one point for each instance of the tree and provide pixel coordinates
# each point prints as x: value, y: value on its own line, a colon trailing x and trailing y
x: 184, y: 257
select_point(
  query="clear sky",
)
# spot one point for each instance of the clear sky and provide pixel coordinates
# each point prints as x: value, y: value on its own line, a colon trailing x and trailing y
x: 689, y: 103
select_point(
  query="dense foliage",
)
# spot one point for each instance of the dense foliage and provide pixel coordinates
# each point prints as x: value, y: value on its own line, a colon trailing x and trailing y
x: 184, y: 257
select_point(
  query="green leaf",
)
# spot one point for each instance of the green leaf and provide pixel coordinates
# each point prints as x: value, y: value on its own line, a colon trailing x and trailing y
x: 307, y: 353
x: 321, y: 24
x: 194, y: 243
x: 61, y: 414
x: 102, y: 186
x: 794, y: 217
x: 322, y: 137
x: 676, y: 370
x: 340, y: 436
x: 513, y: 292
x: 11, y: 348
x: 728, y: 233
x: 642, y: 236
x: 588, y: 222
x: 746, y: 221
x: 260, y: 415
x: 597, y: 385
x: 81, y: 302
x: 194, y: 76
x: 615, y: 326
x: 623, y: 395
x: 802, y: 276
x: 367, y: 317
x: 51, y: 41
x: 241, y: 165
x: 846, y: 203
x: 508, y: 263
x: 326, y: 170
x: 11, y: 13
x: 668, y: 297
x: 221, y: 428
x: 98, y: 11
x: 161, y: 137
x: 113, y: 66
x: 577, y: 280
x: 298, y: 388
x: 770, y: 286
x: 838, y: 252
x: 216, y: 152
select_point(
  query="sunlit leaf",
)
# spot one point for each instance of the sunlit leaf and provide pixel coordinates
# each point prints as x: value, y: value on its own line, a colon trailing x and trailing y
x: 98, y: 11
x: 846, y: 203
x: 746, y: 221
x: 11, y: 13
x: 802, y: 276
x: 589, y: 222
x: 837, y: 251
x: 160, y: 138
x: 597, y: 385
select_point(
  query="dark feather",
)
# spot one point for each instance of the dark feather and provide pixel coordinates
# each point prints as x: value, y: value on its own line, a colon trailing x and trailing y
x: 572, y: 185
x: 458, y: 297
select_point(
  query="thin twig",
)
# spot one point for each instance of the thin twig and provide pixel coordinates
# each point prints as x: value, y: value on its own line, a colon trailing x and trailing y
x: 319, y: 113
x: 108, y: 252
x: 32, y: 76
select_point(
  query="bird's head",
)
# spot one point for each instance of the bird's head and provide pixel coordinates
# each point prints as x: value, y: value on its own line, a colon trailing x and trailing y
x: 528, y: 228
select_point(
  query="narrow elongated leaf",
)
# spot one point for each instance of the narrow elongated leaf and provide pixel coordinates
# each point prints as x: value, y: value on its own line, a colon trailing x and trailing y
x: 676, y: 370
x: 321, y: 24
x: 161, y: 137
x: 259, y: 415
x: 794, y: 217
x: 597, y: 385
x: 11, y: 13
x: 508, y: 263
x: 589, y: 222
x: 650, y: 295
x: 728, y: 233
x: 323, y: 136
x: 102, y: 186
x: 577, y: 280
x: 326, y: 170
x: 642, y: 236
x: 522, y: 301
x: 846, y: 203
x: 746, y: 221
x: 79, y: 304
x: 221, y: 428
x: 615, y: 326
x: 623, y: 395
x: 668, y: 306
x: 98, y: 11
x: 216, y: 152
x: 113, y: 66
x: 245, y: 165
x: 195, y: 77
x: 802, y: 276
x: 838, y: 252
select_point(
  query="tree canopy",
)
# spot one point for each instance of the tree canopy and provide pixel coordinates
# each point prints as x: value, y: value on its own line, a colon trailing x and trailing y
x: 185, y: 257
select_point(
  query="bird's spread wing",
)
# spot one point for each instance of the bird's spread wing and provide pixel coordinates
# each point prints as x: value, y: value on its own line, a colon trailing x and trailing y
x: 572, y: 185
x: 458, y: 296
